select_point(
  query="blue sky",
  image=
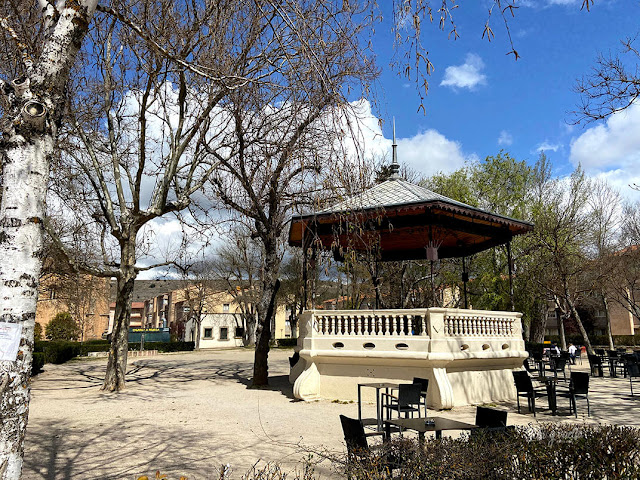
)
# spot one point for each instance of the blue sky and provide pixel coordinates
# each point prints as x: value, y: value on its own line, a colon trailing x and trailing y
x: 481, y: 100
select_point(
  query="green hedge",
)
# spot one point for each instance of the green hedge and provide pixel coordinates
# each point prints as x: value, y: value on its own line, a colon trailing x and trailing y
x: 287, y: 342
x: 549, y: 451
x: 57, y: 351
x: 37, y: 363
x: 60, y: 351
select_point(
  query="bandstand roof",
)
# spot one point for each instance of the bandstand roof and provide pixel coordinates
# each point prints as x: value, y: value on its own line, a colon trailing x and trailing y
x: 404, y: 218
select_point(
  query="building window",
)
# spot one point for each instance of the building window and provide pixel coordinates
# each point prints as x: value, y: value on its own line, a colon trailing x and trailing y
x: 239, y: 332
x: 208, y: 333
x: 224, y: 333
x: 225, y: 307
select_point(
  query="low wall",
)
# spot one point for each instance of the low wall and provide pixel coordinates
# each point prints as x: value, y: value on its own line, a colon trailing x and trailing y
x: 467, y: 355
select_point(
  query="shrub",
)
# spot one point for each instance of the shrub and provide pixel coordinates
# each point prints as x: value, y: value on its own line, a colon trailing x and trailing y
x: 62, y: 327
x: 37, y: 363
x: 57, y: 351
x: 37, y: 332
x: 287, y: 342
x: 549, y: 451
x: 85, y: 348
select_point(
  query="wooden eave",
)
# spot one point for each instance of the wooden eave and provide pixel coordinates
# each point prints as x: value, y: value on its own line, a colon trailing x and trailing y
x: 404, y: 230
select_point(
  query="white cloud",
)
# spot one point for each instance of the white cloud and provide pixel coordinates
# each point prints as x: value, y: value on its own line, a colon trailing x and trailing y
x: 548, y: 147
x: 621, y: 180
x: 505, y: 138
x: 431, y: 152
x: 612, y: 145
x: 612, y: 150
x: 427, y: 153
x: 468, y: 75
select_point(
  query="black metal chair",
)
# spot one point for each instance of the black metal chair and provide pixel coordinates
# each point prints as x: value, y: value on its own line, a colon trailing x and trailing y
x: 616, y: 363
x: 558, y: 365
x: 597, y: 365
x: 491, y: 418
x: 525, y: 388
x: 357, y: 446
x: 633, y: 371
x: 578, y: 387
x: 407, y: 401
x: 424, y: 384
x: 294, y: 359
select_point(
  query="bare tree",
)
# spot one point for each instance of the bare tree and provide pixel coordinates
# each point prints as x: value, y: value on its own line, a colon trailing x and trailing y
x: 613, y: 84
x: 198, y: 284
x: 237, y: 265
x: 626, y: 262
x: 606, y: 215
x: 135, y: 151
x: 561, y: 231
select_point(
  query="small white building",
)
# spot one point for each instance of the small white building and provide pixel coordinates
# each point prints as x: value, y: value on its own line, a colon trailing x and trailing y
x: 217, y: 330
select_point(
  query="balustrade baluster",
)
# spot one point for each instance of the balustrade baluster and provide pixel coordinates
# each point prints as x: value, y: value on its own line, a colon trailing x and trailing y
x: 409, y: 324
x: 423, y: 326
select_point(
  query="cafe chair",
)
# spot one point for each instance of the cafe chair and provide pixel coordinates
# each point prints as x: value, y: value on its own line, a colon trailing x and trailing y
x: 489, y: 421
x: 633, y: 371
x: 525, y: 388
x: 597, y: 366
x: 578, y: 387
x: 558, y: 365
x: 407, y: 401
x: 357, y: 446
x: 424, y: 384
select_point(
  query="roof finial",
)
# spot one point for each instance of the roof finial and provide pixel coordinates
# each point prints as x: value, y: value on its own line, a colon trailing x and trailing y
x: 395, y: 167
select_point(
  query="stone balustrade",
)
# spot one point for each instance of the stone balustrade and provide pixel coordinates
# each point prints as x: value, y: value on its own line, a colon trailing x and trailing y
x: 467, y: 354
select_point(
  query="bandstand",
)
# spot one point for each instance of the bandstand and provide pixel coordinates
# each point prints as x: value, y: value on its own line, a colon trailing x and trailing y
x: 467, y: 355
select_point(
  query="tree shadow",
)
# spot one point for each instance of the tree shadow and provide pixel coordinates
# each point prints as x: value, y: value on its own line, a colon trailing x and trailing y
x: 278, y: 383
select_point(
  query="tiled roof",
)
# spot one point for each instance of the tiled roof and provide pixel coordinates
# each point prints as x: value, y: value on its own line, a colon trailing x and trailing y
x: 390, y: 193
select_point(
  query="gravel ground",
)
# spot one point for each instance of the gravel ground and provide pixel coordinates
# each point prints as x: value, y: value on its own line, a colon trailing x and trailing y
x: 190, y: 413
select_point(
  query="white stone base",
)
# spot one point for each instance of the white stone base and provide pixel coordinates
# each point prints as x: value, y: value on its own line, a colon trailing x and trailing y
x: 460, y: 383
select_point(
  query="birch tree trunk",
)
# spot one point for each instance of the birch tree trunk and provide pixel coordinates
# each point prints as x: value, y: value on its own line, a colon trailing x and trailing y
x: 25, y: 174
x: 35, y: 100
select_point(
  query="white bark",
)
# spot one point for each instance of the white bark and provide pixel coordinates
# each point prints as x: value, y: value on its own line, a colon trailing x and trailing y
x: 26, y: 148
x: 23, y: 192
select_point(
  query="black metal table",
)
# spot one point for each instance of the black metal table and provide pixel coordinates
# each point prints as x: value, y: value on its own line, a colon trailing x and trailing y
x: 424, y: 425
x: 387, y: 386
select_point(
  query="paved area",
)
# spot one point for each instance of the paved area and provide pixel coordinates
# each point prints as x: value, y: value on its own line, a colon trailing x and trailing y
x: 189, y: 414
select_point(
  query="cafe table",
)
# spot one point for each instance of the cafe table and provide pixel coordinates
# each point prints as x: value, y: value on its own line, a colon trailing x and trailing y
x: 378, y: 386
x: 423, y: 425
